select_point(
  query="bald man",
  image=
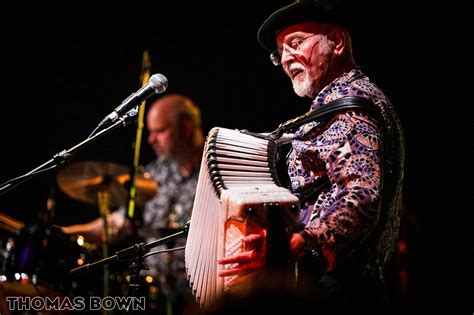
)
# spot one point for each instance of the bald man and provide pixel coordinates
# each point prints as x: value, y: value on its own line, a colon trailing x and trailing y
x: 175, y: 135
x: 174, y: 124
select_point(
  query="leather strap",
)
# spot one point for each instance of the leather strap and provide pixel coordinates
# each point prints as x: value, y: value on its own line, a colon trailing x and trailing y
x: 341, y: 104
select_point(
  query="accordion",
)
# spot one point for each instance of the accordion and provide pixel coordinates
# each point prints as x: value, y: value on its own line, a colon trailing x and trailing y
x: 238, y: 193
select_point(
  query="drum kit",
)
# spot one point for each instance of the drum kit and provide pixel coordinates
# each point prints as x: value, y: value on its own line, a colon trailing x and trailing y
x: 41, y: 253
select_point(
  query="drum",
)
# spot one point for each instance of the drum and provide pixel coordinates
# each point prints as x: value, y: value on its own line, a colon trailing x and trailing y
x: 44, y: 255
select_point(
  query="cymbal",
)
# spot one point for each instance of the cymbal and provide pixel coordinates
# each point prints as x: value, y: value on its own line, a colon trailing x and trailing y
x: 10, y: 224
x: 83, y: 180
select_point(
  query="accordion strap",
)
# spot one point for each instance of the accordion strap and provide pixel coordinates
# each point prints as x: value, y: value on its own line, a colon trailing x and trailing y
x: 329, y: 109
x: 290, y: 126
x: 341, y: 104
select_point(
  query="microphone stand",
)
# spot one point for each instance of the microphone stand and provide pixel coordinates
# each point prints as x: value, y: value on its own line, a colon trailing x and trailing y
x: 66, y: 155
x: 134, y: 254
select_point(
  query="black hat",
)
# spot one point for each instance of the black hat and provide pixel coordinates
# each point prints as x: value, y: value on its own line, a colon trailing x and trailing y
x: 299, y: 12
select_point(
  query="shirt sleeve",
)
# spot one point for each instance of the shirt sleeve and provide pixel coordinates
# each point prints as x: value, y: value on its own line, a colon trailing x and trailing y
x: 346, y: 213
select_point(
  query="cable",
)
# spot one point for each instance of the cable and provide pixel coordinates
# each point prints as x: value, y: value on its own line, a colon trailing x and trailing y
x: 163, y: 251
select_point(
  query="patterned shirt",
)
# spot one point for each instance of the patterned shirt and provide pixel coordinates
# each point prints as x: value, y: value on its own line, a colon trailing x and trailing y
x: 169, y: 209
x: 345, y: 153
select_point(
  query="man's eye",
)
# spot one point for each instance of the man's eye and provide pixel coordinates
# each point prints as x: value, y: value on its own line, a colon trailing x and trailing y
x: 295, y: 43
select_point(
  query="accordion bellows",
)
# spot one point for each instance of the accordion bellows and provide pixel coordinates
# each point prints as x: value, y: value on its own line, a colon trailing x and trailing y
x: 237, y: 187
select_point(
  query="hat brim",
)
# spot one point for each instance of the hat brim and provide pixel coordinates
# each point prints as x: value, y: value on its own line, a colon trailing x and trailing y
x: 297, y: 12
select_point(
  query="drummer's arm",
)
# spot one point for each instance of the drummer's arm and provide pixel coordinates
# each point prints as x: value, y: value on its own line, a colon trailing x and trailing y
x: 93, y: 231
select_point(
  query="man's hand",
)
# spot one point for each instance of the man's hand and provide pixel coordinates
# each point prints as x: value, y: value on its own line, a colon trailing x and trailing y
x: 248, y: 261
x: 296, y: 245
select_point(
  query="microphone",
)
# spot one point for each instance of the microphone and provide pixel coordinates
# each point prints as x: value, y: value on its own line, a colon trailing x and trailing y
x: 156, y: 84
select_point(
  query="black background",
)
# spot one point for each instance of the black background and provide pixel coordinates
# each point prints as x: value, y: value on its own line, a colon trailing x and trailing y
x: 62, y: 73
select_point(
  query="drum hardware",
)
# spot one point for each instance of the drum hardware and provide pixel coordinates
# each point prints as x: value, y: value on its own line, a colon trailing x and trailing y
x: 134, y: 256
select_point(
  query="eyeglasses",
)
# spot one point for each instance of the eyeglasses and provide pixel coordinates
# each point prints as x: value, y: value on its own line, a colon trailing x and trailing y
x: 294, y: 45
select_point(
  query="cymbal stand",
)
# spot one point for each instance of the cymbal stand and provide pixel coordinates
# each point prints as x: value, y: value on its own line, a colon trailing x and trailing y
x: 103, y: 198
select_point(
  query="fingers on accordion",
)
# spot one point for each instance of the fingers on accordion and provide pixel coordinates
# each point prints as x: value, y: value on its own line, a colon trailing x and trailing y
x: 243, y: 269
x: 240, y: 258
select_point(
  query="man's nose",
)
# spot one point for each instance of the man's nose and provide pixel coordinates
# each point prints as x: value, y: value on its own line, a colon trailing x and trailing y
x: 289, y: 55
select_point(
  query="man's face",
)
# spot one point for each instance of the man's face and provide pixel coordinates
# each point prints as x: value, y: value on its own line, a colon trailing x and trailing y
x: 163, y: 134
x: 305, y: 57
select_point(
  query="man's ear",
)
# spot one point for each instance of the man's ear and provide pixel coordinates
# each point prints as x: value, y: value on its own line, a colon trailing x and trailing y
x: 338, y: 38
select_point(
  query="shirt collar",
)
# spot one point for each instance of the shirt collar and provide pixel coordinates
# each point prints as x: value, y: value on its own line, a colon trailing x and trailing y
x: 342, y: 80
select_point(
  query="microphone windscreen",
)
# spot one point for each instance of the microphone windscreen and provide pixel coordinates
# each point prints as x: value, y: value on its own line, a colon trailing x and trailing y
x: 158, y: 82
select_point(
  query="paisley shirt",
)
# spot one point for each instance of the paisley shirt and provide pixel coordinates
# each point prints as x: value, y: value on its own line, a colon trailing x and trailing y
x: 345, y: 152
x: 169, y: 209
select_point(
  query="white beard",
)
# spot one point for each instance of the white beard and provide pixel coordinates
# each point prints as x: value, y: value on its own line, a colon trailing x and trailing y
x: 303, y: 88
